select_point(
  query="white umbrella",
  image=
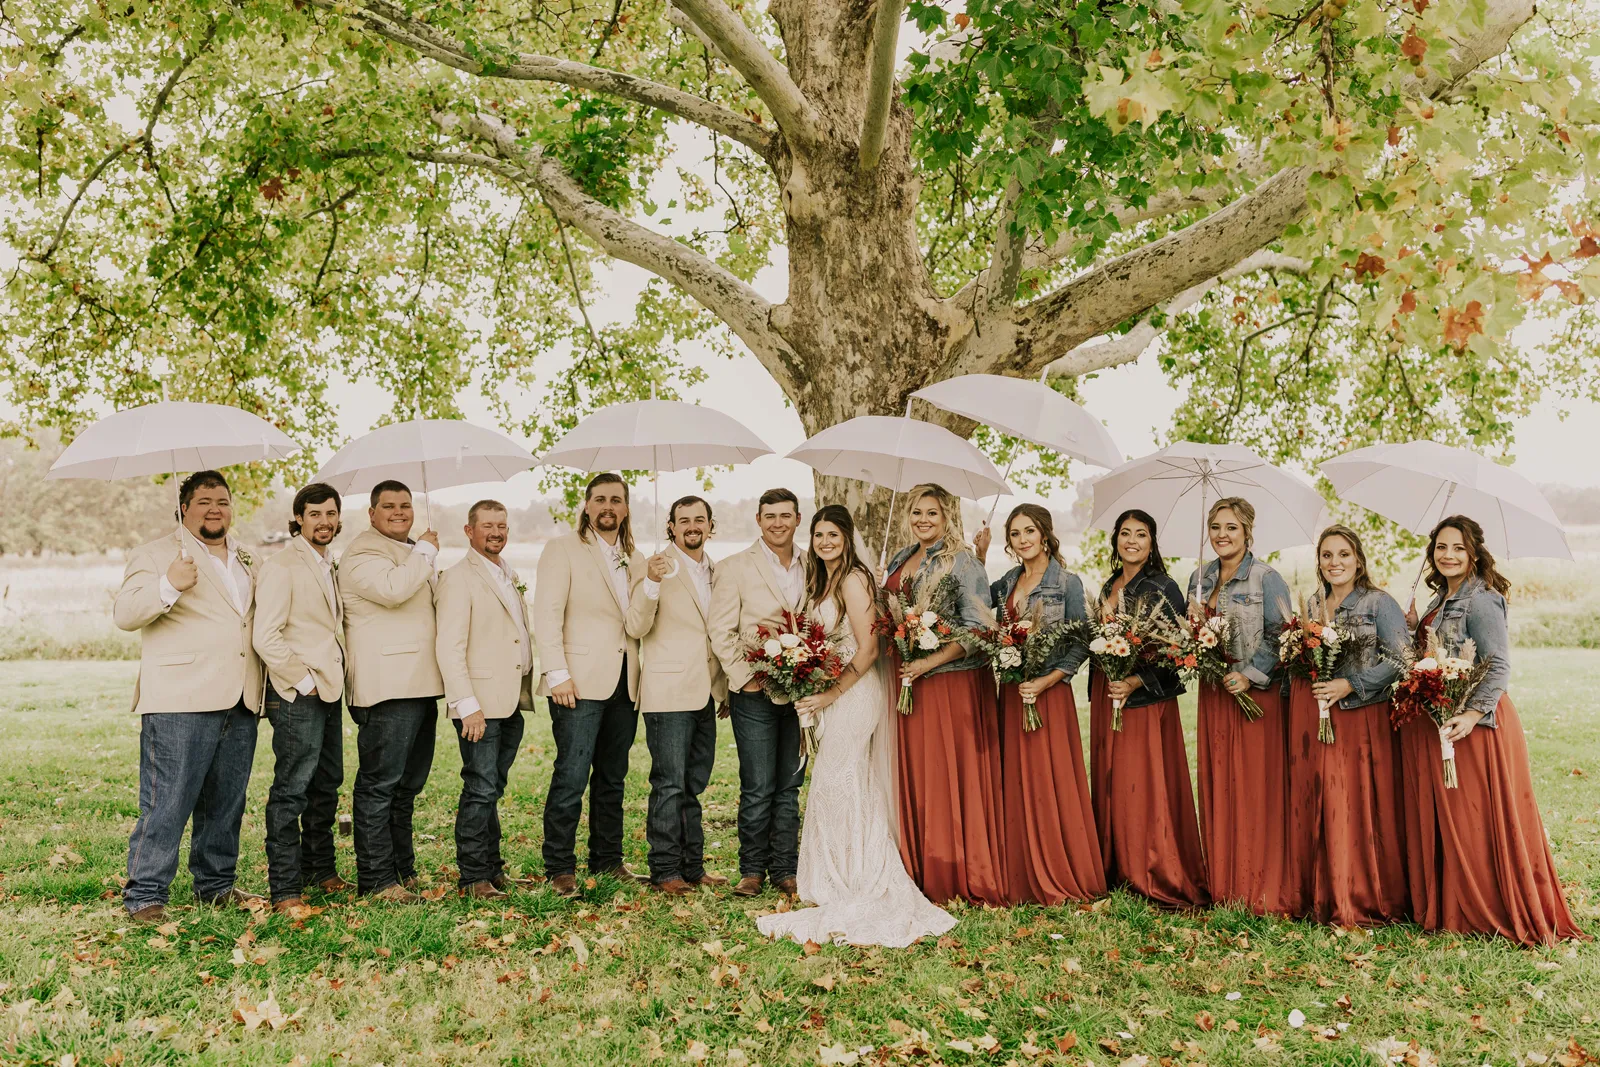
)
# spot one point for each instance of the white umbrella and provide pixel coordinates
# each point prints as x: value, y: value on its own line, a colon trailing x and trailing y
x: 425, y: 453
x: 655, y: 435
x: 1178, y: 484
x: 1027, y: 409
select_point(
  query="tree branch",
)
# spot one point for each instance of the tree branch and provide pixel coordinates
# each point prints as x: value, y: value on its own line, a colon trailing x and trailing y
x: 795, y: 115
x: 389, y: 21
x: 686, y: 24
x: 1501, y: 20
x: 880, y: 89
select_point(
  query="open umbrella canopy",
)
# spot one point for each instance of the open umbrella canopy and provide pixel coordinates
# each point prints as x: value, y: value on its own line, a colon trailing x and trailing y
x: 168, y: 437
x: 655, y: 435
x: 1027, y: 409
x: 1178, y: 485
x: 425, y: 454
x: 899, y: 453
x: 1417, y: 483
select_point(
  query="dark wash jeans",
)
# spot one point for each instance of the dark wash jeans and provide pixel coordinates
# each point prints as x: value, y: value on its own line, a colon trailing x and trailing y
x: 394, y: 748
x: 592, y: 742
x: 770, y: 774
x: 192, y: 765
x: 308, y: 745
x: 485, y: 767
x: 683, y: 747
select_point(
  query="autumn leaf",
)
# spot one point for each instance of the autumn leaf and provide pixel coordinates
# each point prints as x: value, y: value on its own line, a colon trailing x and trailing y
x: 1205, y: 1021
x: 1408, y: 304
x: 1460, y: 324
x: 1413, y: 47
x: 962, y: 20
x: 1369, y: 267
x: 1066, y: 1043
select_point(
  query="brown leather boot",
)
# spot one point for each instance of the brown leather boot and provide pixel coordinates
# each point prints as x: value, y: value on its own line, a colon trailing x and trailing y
x: 287, y: 905
x: 674, y: 887
x: 483, y: 891
x: 565, y: 885
x: 622, y: 874
x: 749, y: 886
x: 787, y: 886
x: 334, y: 884
x: 237, y: 897
x: 155, y: 914
x: 711, y: 880
x: 395, y: 893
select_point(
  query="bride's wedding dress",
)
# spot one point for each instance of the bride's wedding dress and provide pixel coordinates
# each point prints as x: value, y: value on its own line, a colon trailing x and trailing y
x: 850, y: 865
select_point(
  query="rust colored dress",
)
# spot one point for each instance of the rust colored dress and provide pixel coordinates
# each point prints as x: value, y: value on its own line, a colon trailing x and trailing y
x: 1244, y: 788
x: 1143, y: 801
x: 1052, y: 851
x: 1347, y: 853
x: 949, y: 750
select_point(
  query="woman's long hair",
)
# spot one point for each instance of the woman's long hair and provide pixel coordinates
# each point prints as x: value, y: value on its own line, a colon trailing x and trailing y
x: 1363, y: 580
x: 1477, y: 553
x: 1047, y: 529
x: 825, y: 586
x: 954, y: 538
x: 1155, y: 562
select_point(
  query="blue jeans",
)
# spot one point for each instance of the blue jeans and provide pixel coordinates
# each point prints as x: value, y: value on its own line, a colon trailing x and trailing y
x: 394, y: 747
x: 683, y: 746
x: 485, y: 767
x: 308, y: 744
x: 592, y: 742
x: 770, y: 776
x: 192, y: 765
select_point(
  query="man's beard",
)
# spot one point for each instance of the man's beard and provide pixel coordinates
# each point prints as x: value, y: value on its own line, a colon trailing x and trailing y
x: 323, y: 535
x: 693, y: 539
x: 607, y: 521
x: 494, y: 547
x: 212, y: 531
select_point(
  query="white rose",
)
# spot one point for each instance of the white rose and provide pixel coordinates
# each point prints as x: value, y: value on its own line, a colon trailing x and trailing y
x: 1330, y: 637
x: 1025, y: 624
x: 1217, y: 623
x: 788, y: 640
x: 1010, y: 657
x: 927, y: 640
x: 1427, y: 663
x: 928, y: 620
x: 1098, y: 646
x: 772, y: 649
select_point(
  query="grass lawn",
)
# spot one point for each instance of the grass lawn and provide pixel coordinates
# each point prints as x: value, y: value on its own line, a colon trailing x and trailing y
x: 622, y: 976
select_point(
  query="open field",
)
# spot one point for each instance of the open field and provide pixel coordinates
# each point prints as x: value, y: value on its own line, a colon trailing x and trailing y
x: 626, y: 977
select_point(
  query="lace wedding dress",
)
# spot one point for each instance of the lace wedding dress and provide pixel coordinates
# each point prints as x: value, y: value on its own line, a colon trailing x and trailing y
x: 850, y: 864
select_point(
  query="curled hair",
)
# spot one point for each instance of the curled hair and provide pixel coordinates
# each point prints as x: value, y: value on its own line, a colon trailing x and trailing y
x: 624, y: 528
x: 1363, y: 575
x: 1047, y: 528
x: 1478, y: 555
x: 315, y: 493
x: 954, y: 538
x: 194, y: 483
x: 1243, y: 510
x: 1155, y: 562
x: 822, y: 585
x: 687, y: 501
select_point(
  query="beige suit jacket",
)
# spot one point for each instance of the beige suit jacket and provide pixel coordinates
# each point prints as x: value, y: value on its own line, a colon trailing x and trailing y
x: 195, y: 655
x: 578, y: 622
x: 745, y: 595
x: 299, y: 622
x: 482, y: 652
x: 680, y: 670
x: 387, y: 590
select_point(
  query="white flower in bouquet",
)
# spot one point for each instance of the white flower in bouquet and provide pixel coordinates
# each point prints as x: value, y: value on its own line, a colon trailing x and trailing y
x: 1455, y: 667
x: 1098, y: 646
x: 788, y: 640
x: 1427, y: 663
x: 1217, y: 624
x: 1118, y: 646
x: 795, y: 655
x: 1024, y: 624
x: 1113, y: 626
x: 772, y: 648
x: 1010, y: 657
x: 1330, y: 638
x: 1207, y: 637
x: 927, y: 640
x: 928, y: 620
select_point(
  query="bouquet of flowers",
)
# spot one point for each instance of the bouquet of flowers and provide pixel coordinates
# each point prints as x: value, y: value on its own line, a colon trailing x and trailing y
x: 919, y: 623
x: 1310, y: 649
x: 1017, y: 650
x: 1438, y: 685
x: 1122, y: 641
x: 1203, y: 653
x: 795, y: 659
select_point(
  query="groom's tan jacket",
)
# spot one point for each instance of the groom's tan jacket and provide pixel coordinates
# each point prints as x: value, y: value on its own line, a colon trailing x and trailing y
x: 681, y: 671
x: 744, y: 595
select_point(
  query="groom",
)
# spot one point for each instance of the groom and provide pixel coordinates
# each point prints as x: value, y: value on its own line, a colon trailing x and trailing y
x: 752, y: 588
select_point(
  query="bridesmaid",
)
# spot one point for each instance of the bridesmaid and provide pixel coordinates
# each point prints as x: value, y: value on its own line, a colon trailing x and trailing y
x: 1241, y: 763
x: 1143, y: 801
x: 1478, y: 857
x: 949, y: 746
x: 1052, y: 851
x: 1346, y: 845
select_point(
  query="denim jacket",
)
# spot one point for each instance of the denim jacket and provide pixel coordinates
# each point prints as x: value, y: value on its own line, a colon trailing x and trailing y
x: 1058, y: 597
x: 1374, y: 619
x: 1478, y: 612
x: 1159, y: 683
x: 972, y: 595
x: 1257, y: 603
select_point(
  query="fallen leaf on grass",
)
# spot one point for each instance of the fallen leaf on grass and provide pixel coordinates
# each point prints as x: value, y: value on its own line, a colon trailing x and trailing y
x: 1066, y: 1043
x: 168, y: 929
x: 267, y: 1013
x: 837, y: 1056
x: 697, y: 1052
x: 579, y: 949
x: 810, y: 948
x: 1205, y: 1021
x: 1232, y: 1026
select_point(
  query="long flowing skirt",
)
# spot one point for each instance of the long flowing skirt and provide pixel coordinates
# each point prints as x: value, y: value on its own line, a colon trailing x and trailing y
x: 1477, y: 854
x: 1144, y: 803
x: 1243, y: 801
x: 949, y: 748
x: 1052, y: 849
x: 1347, y: 853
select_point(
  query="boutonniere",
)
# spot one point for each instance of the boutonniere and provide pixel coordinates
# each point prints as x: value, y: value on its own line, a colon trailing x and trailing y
x: 520, y: 586
x: 333, y: 565
x: 622, y: 563
x: 244, y: 557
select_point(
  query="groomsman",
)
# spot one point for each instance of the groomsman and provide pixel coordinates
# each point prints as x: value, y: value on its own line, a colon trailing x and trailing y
x: 486, y: 658
x: 681, y: 685
x: 754, y: 587
x: 190, y: 595
x: 386, y: 582
x: 591, y: 675
x: 299, y: 634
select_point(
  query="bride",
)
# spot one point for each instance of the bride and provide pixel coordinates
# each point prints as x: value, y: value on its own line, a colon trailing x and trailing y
x: 850, y: 863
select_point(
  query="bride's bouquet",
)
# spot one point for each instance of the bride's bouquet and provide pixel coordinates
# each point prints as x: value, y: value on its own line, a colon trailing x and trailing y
x: 795, y: 659
x: 1438, y: 685
x: 1312, y: 650
x: 1017, y: 650
x: 1123, y: 640
x: 920, y: 624
x: 1203, y: 653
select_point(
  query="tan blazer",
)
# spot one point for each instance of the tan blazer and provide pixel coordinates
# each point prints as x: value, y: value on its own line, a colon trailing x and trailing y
x: 482, y: 652
x: 299, y: 622
x: 745, y: 595
x: 578, y: 622
x: 195, y: 655
x: 387, y: 590
x: 681, y: 672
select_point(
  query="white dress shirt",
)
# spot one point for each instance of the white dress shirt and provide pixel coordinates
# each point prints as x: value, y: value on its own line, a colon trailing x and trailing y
x: 699, y: 577
x: 501, y: 572
x: 791, y: 579
x: 235, y: 579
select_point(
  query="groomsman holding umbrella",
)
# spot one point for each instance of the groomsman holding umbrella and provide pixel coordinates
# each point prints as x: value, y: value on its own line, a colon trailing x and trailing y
x: 486, y: 658
x: 191, y: 597
x: 386, y: 582
x: 299, y: 634
x: 680, y: 687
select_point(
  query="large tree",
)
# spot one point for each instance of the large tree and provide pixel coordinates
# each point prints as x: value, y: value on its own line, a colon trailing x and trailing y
x: 1328, y: 215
